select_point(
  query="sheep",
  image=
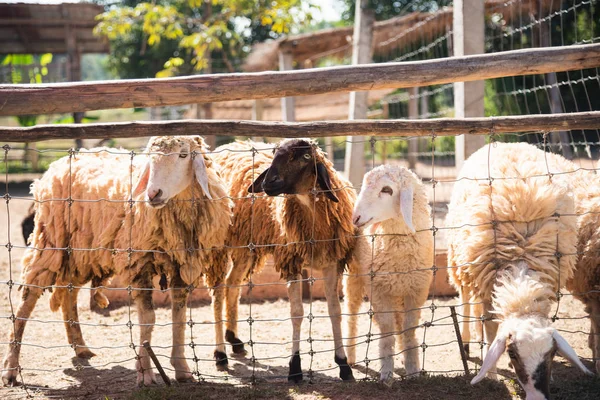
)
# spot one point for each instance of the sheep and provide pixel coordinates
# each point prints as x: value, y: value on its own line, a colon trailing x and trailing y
x: 393, y: 203
x: 88, y: 227
x: 285, y: 228
x: 27, y: 224
x: 512, y: 246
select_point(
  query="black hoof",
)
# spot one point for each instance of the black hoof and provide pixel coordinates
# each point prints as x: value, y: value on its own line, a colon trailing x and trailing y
x: 466, y: 347
x: 295, y: 374
x: 221, y: 360
x: 345, y: 370
x: 237, y: 346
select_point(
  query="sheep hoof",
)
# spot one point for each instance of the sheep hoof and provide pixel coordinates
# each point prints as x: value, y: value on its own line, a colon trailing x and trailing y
x: 221, y: 360
x: 345, y: 370
x: 184, y: 377
x: 146, y: 378
x: 466, y: 348
x: 84, y: 353
x: 387, y: 378
x: 9, y: 378
x: 295, y: 374
x: 237, y: 346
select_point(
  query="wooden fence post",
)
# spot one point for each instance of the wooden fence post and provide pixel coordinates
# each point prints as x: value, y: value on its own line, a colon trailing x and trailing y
x: 354, y: 165
x: 288, y: 104
x: 257, y: 115
x: 468, y: 96
x: 413, y: 113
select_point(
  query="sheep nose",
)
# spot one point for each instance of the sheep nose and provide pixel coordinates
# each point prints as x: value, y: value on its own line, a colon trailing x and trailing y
x: 273, y: 178
x: 154, y: 195
x: 356, y: 219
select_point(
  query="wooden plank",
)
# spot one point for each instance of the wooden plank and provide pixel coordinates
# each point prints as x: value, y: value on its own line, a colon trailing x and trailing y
x: 288, y: 104
x: 354, y: 162
x: 388, y: 128
x: 468, y: 39
x: 85, y: 96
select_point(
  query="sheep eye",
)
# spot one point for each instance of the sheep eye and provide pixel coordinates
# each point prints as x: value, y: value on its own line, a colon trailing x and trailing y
x: 387, y: 190
x: 183, y: 155
x: 307, y: 156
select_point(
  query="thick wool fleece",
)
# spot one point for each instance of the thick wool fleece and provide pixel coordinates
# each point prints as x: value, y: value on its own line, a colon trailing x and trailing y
x: 287, y: 224
x: 100, y: 225
x: 532, y: 215
x: 402, y: 260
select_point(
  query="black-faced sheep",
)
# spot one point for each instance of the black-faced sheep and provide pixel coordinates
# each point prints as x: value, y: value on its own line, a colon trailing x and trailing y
x: 301, y: 229
x: 88, y: 226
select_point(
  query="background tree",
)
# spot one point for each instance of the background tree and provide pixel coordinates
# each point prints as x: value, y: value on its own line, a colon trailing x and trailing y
x: 175, y: 37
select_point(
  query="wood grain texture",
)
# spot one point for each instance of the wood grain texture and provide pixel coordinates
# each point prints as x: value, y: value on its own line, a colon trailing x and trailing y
x: 384, y: 128
x: 86, y: 96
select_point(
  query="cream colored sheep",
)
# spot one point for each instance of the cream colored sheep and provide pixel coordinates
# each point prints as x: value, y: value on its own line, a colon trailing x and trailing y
x: 284, y: 227
x: 512, y: 246
x: 86, y: 229
x: 393, y: 204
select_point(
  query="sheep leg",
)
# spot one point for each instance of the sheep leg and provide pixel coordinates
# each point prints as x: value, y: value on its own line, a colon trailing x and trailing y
x: 409, y: 336
x: 179, y: 296
x: 297, y: 314
x: 335, y: 315
x: 490, y: 327
x: 71, y: 318
x: 147, y: 318
x: 217, y: 306
x: 354, y: 298
x: 465, y: 300
x: 236, y: 276
x: 594, y: 341
x: 385, y: 320
x: 10, y: 365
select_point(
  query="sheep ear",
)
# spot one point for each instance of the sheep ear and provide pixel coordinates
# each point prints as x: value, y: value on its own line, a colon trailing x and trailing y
x: 142, y: 182
x: 325, y: 182
x: 567, y: 352
x: 491, y: 358
x: 406, y: 207
x: 256, y: 186
x: 201, y: 174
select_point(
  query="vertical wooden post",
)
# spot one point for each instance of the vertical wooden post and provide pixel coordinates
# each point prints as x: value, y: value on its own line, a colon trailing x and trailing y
x: 329, y: 148
x: 361, y: 54
x: 288, y: 112
x: 468, y: 96
x: 73, y: 69
x: 205, y: 109
x: 257, y: 115
x: 413, y: 113
x: 386, y: 115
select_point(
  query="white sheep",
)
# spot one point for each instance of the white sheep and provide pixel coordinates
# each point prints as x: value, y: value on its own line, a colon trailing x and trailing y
x: 302, y: 229
x: 394, y: 206
x: 512, y: 245
x: 88, y: 226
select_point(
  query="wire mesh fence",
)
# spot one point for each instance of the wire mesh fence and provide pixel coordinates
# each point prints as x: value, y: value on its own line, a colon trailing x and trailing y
x: 263, y: 327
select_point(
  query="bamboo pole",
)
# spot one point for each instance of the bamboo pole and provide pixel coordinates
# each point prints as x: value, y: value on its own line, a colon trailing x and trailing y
x: 85, y: 96
x: 387, y: 128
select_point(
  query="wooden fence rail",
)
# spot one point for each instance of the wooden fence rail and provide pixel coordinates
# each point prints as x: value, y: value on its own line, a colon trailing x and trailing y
x: 439, y: 127
x: 86, y: 96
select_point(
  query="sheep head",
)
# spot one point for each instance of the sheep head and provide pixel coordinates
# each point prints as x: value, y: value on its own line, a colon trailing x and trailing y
x: 387, y: 193
x: 173, y: 163
x: 296, y: 165
x: 524, y: 332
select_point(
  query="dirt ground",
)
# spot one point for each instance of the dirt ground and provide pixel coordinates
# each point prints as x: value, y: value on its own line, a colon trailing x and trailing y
x: 50, y: 369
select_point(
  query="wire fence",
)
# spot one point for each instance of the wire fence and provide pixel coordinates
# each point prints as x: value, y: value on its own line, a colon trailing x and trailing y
x: 263, y: 327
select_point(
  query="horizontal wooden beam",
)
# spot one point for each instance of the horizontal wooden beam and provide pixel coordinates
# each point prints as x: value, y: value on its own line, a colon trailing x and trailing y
x: 86, y: 96
x: 389, y: 128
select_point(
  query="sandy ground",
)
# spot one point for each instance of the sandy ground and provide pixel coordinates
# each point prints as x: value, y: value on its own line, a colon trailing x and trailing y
x: 51, y: 370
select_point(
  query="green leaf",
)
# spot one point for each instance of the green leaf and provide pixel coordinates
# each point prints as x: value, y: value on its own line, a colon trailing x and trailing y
x: 45, y: 59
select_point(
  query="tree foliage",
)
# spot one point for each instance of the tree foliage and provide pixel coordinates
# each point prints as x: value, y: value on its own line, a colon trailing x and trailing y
x: 386, y: 9
x: 169, y: 37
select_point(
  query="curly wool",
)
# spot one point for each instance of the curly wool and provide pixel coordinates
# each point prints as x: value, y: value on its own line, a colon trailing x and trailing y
x: 101, y: 226
x: 402, y: 260
x: 532, y: 213
x: 283, y: 226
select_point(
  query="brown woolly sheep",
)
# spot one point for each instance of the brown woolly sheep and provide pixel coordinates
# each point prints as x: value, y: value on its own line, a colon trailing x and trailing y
x: 512, y: 246
x: 88, y: 226
x: 305, y: 228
